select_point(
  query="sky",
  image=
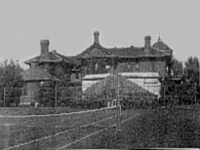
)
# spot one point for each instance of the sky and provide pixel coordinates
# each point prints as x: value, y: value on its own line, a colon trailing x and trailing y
x: 69, y: 25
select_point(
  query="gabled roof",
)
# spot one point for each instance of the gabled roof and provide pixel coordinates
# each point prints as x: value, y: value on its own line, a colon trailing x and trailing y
x: 36, y: 74
x: 54, y: 57
x: 160, y: 45
x: 70, y: 59
x: 99, y: 51
x: 95, y: 50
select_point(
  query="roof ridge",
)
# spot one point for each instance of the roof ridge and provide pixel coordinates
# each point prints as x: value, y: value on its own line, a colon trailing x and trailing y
x: 56, y: 54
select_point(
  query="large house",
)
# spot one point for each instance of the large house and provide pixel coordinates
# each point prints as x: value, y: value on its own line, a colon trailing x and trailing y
x: 142, y: 65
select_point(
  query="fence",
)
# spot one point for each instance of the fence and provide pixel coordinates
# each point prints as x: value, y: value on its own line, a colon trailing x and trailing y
x: 98, y: 97
x: 55, y: 130
x: 68, y: 96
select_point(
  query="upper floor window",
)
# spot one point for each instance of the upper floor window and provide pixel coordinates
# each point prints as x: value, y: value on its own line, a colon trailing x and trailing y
x: 96, y: 67
x: 129, y: 66
x: 107, y: 66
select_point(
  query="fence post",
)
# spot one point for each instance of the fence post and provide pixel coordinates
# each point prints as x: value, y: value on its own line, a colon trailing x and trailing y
x: 56, y: 96
x: 164, y: 94
x: 4, y: 96
x: 8, y: 135
x: 118, y: 107
x: 195, y: 99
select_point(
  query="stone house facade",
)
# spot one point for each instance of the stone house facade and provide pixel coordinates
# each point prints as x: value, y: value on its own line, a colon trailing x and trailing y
x: 143, y: 66
x: 149, y: 58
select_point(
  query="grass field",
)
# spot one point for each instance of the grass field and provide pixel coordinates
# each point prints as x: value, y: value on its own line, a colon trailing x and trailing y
x: 17, y: 130
x: 149, y: 128
x: 159, y: 128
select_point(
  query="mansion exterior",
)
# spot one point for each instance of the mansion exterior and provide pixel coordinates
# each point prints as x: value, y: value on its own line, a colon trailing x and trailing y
x: 142, y: 65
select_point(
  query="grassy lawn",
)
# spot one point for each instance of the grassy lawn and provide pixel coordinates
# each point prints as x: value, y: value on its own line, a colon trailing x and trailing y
x: 149, y: 128
x: 14, y: 131
x: 161, y: 128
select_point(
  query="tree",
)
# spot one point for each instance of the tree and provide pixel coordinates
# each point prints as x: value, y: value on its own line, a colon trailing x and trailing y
x: 11, y: 80
x: 191, y: 73
x: 191, y: 70
x: 177, y: 67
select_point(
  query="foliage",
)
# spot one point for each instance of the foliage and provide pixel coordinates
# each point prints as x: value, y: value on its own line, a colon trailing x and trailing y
x: 177, y: 67
x: 191, y: 70
x: 10, y: 79
x: 59, y: 92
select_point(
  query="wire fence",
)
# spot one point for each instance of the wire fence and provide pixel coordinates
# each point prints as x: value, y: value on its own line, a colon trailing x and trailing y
x: 73, y: 96
x: 99, y: 97
x: 59, y: 128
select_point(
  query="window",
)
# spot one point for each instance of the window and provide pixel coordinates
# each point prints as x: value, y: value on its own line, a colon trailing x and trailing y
x: 129, y: 66
x: 136, y: 66
x: 77, y: 75
x: 107, y: 66
x: 151, y: 81
x: 42, y: 83
x: 96, y: 67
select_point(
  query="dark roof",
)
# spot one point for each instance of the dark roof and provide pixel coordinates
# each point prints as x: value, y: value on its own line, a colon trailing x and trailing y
x: 135, y: 52
x: 70, y: 59
x: 36, y: 74
x: 53, y: 56
x: 96, y: 50
x: 160, y: 45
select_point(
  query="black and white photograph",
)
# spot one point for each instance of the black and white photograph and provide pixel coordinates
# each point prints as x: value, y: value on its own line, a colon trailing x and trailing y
x: 99, y: 74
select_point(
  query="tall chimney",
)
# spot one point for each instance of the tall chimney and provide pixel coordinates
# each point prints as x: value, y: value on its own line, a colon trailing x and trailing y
x: 96, y: 37
x: 44, y: 47
x: 147, y: 42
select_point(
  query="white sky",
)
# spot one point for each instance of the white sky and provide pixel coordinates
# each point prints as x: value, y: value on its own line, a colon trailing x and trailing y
x: 69, y: 25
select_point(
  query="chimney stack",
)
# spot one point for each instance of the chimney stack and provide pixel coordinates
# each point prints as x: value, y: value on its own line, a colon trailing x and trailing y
x: 44, y: 47
x: 147, y: 42
x: 96, y: 37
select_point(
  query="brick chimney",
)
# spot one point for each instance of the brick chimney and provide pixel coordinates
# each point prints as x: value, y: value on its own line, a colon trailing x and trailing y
x: 147, y: 42
x: 44, y: 47
x: 96, y: 37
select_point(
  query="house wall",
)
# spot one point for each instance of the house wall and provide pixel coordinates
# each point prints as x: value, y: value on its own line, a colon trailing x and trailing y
x: 98, y: 66
x: 148, y: 83
x: 143, y: 66
x: 95, y: 66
